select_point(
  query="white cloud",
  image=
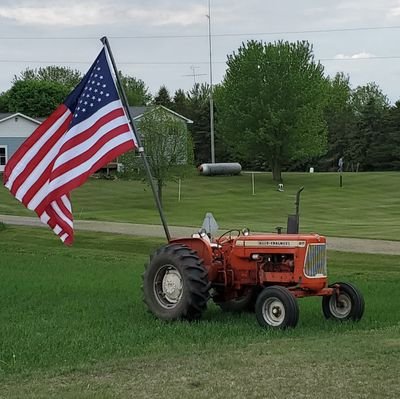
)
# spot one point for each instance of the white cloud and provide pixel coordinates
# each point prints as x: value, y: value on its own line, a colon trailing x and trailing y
x: 361, y: 55
x: 91, y: 14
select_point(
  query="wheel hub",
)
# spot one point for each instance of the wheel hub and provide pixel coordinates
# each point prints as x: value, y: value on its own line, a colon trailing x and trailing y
x: 274, y: 312
x: 168, y: 286
x: 172, y: 285
x: 340, y: 306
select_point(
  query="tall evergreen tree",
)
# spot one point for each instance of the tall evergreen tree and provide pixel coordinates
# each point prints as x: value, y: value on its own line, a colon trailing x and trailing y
x: 163, y: 97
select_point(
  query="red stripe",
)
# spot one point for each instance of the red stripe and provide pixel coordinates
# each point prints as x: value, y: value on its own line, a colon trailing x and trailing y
x: 78, y: 160
x: 86, y: 134
x: 64, y: 209
x: 30, y: 141
x: 79, y: 180
x: 37, y: 158
x: 55, y: 219
x: 39, y: 183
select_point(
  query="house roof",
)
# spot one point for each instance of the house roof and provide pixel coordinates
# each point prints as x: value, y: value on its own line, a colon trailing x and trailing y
x: 7, y: 116
x: 137, y: 112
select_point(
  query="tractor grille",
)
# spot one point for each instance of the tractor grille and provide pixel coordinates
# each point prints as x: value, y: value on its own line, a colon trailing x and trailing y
x: 315, y: 264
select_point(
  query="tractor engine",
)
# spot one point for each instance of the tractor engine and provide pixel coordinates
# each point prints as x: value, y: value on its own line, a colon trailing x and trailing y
x: 283, y: 263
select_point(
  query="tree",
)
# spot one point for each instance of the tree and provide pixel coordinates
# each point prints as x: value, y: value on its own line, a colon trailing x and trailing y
x: 4, y: 101
x: 271, y: 103
x: 199, y: 112
x: 369, y: 106
x: 180, y: 103
x: 340, y: 121
x: 363, y: 96
x: 163, y: 97
x: 168, y: 146
x: 136, y: 90
x: 65, y: 76
x: 36, y: 97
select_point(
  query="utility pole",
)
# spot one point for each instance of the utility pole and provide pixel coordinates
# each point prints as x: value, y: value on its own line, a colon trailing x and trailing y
x: 211, y: 87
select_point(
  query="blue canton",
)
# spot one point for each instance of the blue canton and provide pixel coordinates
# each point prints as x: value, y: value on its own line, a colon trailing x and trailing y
x: 95, y: 90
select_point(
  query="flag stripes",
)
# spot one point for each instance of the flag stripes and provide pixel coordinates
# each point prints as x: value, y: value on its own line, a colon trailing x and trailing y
x: 60, y: 155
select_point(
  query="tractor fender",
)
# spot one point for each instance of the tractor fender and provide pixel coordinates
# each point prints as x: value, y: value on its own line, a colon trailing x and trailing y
x: 201, y: 246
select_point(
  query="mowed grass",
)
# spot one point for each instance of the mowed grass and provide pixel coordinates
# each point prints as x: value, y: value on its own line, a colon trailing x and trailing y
x: 72, y: 324
x: 368, y: 204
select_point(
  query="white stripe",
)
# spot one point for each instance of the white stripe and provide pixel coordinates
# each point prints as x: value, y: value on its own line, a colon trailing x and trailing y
x: 90, y: 142
x: 78, y: 170
x: 31, y: 153
x: 64, y: 237
x: 57, y: 229
x: 61, y: 214
x: 89, y: 122
x: 66, y: 202
x: 44, y: 217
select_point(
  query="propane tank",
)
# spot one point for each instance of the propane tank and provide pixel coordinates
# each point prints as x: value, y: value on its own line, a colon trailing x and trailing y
x: 212, y: 169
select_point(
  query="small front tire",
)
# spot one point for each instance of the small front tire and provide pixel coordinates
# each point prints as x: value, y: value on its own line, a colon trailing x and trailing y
x: 277, y: 307
x: 348, y: 304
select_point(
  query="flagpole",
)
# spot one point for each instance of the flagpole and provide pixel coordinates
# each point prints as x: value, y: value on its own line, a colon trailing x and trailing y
x: 106, y: 43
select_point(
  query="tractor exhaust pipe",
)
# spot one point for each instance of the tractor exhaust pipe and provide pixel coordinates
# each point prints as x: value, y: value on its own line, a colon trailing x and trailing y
x: 293, y: 222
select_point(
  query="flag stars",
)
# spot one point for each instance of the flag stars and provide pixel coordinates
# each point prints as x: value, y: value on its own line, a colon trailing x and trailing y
x: 101, y: 77
x: 95, y: 90
x: 107, y: 94
x: 91, y: 104
x: 99, y: 99
x: 98, y: 68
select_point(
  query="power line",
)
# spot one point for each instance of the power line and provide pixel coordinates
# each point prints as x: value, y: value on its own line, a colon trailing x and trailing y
x: 294, y: 32
x: 389, y: 57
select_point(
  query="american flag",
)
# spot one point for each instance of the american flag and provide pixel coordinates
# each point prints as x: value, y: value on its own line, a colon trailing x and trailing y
x: 84, y: 133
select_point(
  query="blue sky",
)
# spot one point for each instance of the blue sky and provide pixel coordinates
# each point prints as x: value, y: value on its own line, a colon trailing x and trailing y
x: 39, y: 33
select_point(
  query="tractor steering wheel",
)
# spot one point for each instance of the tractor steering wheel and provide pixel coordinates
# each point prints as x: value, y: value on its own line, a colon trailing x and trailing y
x: 222, y: 238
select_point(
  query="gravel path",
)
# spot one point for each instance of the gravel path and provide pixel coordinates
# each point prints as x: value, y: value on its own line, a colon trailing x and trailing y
x: 334, y: 243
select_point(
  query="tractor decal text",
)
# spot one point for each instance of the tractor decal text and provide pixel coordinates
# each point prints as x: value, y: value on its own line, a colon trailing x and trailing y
x: 271, y: 243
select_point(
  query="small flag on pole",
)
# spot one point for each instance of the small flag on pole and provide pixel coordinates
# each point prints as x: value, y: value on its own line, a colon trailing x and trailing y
x: 84, y: 133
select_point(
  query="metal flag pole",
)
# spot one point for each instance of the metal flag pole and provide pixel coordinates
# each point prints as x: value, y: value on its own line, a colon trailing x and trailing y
x: 105, y: 42
x: 211, y: 87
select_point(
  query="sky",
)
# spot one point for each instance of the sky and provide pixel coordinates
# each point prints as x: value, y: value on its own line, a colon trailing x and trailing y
x: 166, y: 42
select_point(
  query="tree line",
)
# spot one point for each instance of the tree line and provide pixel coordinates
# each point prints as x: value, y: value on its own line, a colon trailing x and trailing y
x: 275, y: 109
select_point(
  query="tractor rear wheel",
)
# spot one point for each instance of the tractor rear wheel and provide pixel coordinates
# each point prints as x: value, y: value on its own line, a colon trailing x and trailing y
x: 347, y: 305
x: 175, y: 284
x: 277, y: 307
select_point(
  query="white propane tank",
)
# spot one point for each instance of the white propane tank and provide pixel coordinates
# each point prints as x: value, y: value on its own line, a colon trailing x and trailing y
x: 212, y: 169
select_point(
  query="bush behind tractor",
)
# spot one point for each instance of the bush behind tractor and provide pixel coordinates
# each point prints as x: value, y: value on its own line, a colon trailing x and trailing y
x: 266, y: 273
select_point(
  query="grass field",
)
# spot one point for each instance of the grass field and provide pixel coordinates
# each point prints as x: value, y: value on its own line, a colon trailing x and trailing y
x: 368, y: 204
x: 72, y: 325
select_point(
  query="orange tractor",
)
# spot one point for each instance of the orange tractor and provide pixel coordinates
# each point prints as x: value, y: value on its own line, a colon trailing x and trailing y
x: 242, y: 271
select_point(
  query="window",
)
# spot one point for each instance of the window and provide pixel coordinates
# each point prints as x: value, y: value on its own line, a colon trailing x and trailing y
x: 3, y: 157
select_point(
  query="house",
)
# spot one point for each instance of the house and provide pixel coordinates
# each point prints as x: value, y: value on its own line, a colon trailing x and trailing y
x: 14, y: 129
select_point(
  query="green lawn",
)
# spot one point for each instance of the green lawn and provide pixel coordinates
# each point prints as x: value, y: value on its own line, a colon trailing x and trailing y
x: 72, y: 324
x: 368, y: 204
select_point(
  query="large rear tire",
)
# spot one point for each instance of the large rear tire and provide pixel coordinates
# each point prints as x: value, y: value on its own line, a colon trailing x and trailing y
x: 277, y: 307
x: 348, y: 305
x: 175, y: 284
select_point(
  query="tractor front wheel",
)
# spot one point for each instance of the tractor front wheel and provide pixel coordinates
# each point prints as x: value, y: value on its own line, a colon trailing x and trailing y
x: 347, y: 304
x: 277, y: 307
x: 175, y: 284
